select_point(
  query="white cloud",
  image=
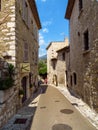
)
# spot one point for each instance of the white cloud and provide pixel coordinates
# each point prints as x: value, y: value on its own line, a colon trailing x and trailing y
x: 41, y: 39
x: 45, y: 30
x: 47, y: 23
x: 42, y: 52
x: 43, y: 0
x: 62, y: 34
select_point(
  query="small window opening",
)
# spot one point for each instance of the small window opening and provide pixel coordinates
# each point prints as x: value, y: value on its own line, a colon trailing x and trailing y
x: 0, y: 5
x: 86, y: 40
x: 80, y: 5
x: 71, y: 80
x: 54, y: 65
x: 63, y: 56
x: 66, y: 75
x: 75, y: 78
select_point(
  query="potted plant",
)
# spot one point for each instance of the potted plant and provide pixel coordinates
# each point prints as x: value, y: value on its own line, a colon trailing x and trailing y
x: 21, y: 93
x: 31, y: 87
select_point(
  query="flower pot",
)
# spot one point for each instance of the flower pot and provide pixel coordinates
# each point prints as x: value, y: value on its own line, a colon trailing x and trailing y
x: 21, y: 95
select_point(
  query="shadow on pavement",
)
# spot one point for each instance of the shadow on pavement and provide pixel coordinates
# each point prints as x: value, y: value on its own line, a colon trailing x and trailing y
x: 43, y: 88
x: 61, y: 127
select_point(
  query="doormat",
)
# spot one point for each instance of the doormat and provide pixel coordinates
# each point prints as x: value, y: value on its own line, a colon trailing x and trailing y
x: 20, y: 121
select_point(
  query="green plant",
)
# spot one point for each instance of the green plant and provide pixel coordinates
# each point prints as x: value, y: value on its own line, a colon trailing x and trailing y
x: 21, y: 92
x: 42, y: 68
x: 6, y: 83
x: 11, y: 70
x: 31, y: 85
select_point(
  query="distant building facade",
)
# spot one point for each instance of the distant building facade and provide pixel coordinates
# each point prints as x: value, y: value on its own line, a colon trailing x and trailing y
x: 19, y: 25
x: 52, y: 59
x: 62, y: 65
x: 83, y: 74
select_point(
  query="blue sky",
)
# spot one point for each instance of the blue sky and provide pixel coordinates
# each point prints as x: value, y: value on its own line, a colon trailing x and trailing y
x: 54, y: 25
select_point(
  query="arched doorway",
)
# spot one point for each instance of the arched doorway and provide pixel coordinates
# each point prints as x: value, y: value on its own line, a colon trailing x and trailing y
x: 24, y: 86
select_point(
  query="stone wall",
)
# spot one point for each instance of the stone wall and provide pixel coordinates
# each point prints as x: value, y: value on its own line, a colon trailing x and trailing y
x: 7, y: 30
x: 8, y: 98
x: 62, y: 66
x: 26, y: 38
x: 84, y: 62
x: 26, y: 34
x: 8, y: 105
x: 61, y: 69
x: 14, y: 33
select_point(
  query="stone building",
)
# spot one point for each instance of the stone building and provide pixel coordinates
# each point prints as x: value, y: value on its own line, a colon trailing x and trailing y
x: 83, y: 20
x: 52, y: 60
x: 62, y: 65
x: 19, y: 25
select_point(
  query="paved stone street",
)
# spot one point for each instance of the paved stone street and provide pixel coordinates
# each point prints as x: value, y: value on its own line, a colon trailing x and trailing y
x: 55, y: 112
x: 51, y: 105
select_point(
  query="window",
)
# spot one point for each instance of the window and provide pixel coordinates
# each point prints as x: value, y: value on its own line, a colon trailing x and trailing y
x: 33, y: 56
x: 75, y: 78
x: 71, y: 80
x: 25, y: 13
x: 26, y: 52
x: 54, y: 65
x: 80, y: 5
x: 86, y: 40
x: 63, y: 56
x: 0, y: 5
x: 66, y: 75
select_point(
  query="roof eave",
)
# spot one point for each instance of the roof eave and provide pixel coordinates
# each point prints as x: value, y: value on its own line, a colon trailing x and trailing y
x: 35, y: 12
x: 63, y: 49
x: 69, y: 9
x: 48, y: 46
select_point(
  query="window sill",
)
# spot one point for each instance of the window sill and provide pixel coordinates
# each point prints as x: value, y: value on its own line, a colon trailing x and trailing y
x: 80, y: 13
x: 85, y: 52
